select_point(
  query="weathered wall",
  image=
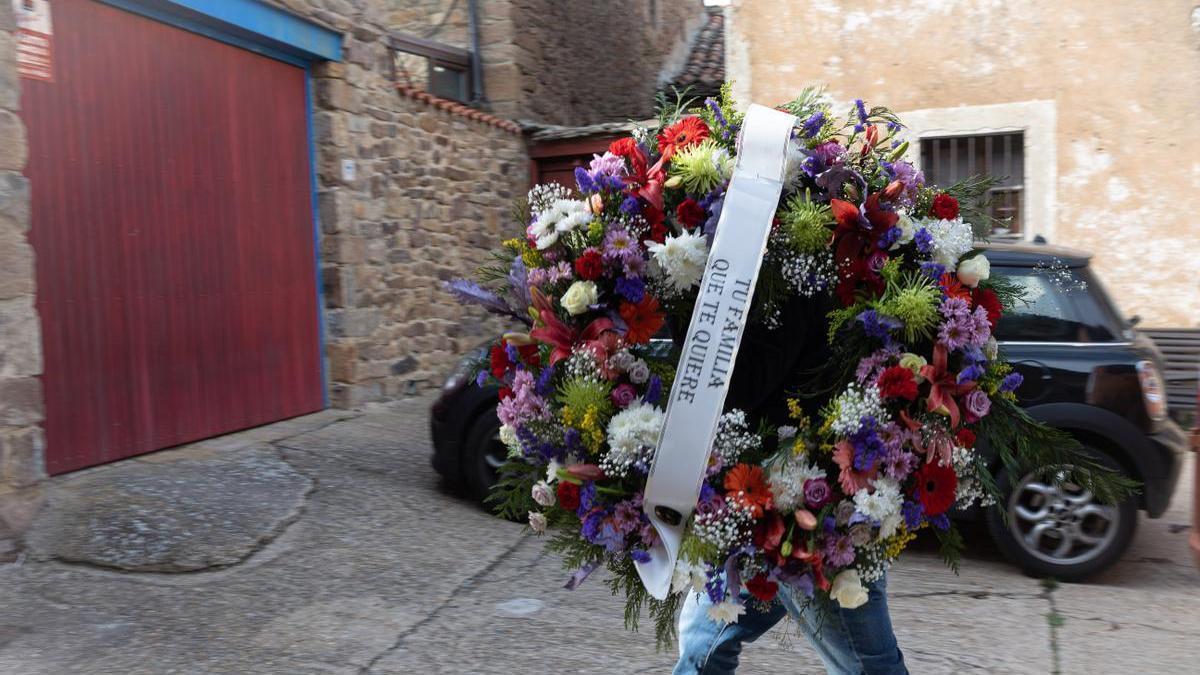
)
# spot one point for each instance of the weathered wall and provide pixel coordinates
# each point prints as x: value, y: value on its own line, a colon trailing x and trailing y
x: 1124, y: 78
x: 431, y: 195
x: 21, y: 440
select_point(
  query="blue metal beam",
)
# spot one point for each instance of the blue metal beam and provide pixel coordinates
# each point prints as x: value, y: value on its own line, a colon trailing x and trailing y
x: 250, y: 24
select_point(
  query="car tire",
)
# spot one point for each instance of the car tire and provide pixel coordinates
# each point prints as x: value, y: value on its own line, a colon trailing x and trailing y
x: 481, y: 455
x: 1060, y: 532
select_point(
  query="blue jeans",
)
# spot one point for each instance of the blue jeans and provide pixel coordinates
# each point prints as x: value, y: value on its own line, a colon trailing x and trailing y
x: 856, y: 641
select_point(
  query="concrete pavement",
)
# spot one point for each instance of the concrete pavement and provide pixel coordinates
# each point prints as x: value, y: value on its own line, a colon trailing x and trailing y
x: 324, y: 545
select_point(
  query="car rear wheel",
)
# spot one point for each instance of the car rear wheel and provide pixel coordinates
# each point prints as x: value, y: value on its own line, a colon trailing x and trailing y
x: 1059, y: 529
x: 482, y: 455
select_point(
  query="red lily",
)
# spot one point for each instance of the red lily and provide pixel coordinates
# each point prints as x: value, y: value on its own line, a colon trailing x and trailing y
x: 854, y: 240
x: 943, y: 385
x: 563, y: 337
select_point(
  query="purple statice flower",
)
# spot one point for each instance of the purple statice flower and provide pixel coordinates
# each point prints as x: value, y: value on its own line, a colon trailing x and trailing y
x: 913, y: 514
x: 620, y: 246
x: 971, y: 373
x: 878, y: 326
x: 955, y: 333
x: 893, y: 126
x: 543, y: 387
x: 899, y: 463
x: 862, y: 115
x: 653, y: 390
x: 572, y: 441
x: 718, y: 117
x: 977, y: 404
x: 941, y: 521
x: 817, y: 493
x: 632, y: 289
x: 639, y: 555
x: 974, y: 356
x: 838, y: 551
x: 584, y: 180
x: 715, y: 587
x: 868, y: 447
x: 510, y: 350
x: 813, y: 125
x: 955, y: 308
x: 587, y: 497
x: 630, y: 206
x: 627, y: 516
x: 932, y: 270
x: 890, y: 237
x: 480, y: 378
x: 534, y: 447
x: 924, y: 240
x: 1012, y: 382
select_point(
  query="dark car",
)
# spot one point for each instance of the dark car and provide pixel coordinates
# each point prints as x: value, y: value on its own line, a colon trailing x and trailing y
x: 1087, y: 371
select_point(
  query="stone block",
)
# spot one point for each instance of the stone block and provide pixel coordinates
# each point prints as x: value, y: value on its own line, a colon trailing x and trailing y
x: 10, y: 87
x: 343, y: 361
x: 330, y: 128
x: 20, y: 338
x: 337, y: 94
x: 339, y: 286
x: 344, y: 248
x: 353, y: 322
x: 16, y: 262
x: 13, y: 151
x: 21, y: 401
x: 335, y: 211
x: 14, y: 199
x: 22, y: 460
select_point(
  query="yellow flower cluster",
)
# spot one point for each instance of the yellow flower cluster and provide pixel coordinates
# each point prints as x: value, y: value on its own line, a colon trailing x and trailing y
x: 893, y: 545
x: 794, y: 409
x: 529, y: 255
x: 588, y: 425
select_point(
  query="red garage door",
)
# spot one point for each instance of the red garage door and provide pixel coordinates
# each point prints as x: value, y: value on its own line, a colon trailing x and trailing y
x: 173, y: 226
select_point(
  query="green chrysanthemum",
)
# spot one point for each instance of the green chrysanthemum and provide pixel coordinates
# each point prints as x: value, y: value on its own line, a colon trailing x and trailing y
x: 914, y: 300
x: 701, y: 167
x: 583, y: 394
x: 806, y: 224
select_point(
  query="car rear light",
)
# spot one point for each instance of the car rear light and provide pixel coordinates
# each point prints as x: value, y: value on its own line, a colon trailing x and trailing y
x: 1153, y: 394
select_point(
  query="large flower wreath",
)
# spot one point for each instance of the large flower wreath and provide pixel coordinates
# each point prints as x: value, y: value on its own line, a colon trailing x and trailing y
x: 825, y: 503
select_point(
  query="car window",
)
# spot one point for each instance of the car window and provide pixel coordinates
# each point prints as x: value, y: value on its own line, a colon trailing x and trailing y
x: 1048, y: 315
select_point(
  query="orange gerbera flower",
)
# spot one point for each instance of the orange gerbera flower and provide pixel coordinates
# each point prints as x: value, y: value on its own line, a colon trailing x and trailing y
x: 746, y: 485
x: 642, y: 319
x: 954, y: 289
x: 684, y: 133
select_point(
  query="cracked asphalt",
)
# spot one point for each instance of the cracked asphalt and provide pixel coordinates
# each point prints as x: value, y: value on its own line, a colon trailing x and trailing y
x: 325, y: 545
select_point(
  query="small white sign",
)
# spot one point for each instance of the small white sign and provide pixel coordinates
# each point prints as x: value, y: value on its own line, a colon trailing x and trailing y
x: 349, y: 170
x: 34, y: 39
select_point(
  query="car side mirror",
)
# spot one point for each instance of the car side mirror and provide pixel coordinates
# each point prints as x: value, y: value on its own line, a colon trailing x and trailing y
x: 1135, y: 319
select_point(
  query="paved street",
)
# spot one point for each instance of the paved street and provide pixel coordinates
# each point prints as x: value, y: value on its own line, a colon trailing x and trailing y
x: 324, y: 545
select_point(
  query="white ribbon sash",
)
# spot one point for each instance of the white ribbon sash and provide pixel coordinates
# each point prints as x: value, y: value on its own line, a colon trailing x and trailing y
x: 713, y: 337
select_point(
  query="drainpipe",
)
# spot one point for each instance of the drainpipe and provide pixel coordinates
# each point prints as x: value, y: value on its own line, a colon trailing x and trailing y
x: 478, y: 98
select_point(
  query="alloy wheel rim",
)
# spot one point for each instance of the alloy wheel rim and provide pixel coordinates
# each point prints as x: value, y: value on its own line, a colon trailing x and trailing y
x: 1059, y: 522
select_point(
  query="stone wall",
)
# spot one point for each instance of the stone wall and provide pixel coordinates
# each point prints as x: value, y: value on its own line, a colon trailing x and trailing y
x: 21, y: 440
x: 1120, y: 79
x: 433, y: 189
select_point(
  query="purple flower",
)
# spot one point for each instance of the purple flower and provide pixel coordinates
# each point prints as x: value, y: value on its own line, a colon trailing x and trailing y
x: 817, y: 493
x: 715, y: 587
x: 587, y: 497
x: 630, y: 206
x: 480, y: 378
x: 584, y: 180
x: 941, y: 521
x: 899, y: 463
x: 812, y: 125
x: 868, y: 447
x: 838, y: 551
x: 932, y: 270
x: 624, y: 395
x: 1012, y: 382
x: 639, y: 555
x: 607, y: 164
x: 890, y: 237
x: 955, y: 333
x: 955, y: 308
x: 619, y: 246
x: 978, y: 404
x: 862, y: 110
x: 924, y: 240
x: 970, y: 374
x: 653, y: 390
x: 913, y: 514
x: 543, y: 386
x: 632, y: 289
x: 878, y: 326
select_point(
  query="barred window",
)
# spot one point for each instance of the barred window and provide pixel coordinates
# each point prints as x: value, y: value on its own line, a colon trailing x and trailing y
x: 945, y: 161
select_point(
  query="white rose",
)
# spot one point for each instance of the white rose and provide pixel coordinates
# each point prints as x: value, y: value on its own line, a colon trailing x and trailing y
x: 537, y: 522
x: 908, y: 230
x: 579, y: 296
x: 848, y: 590
x: 542, y: 494
x: 974, y: 270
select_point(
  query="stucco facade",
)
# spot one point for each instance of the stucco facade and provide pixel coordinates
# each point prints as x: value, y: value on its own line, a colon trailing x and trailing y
x: 1107, y: 94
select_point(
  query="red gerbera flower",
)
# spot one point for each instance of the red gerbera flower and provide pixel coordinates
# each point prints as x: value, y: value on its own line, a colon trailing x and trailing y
x: 898, y: 382
x: 689, y: 213
x: 762, y: 588
x: 643, y: 319
x: 944, y: 207
x: 746, y: 485
x: 683, y: 134
x: 935, y: 488
x: 568, y: 495
x: 498, y: 359
x: 589, y: 266
x: 987, y: 299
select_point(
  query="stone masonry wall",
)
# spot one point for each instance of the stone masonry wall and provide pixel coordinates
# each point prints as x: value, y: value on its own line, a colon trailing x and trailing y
x: 1122, y: 78
x: 431, y: 196
x: 21, y: 441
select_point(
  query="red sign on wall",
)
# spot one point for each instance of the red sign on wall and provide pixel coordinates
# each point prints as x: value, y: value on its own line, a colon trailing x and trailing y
x: 34, y: 37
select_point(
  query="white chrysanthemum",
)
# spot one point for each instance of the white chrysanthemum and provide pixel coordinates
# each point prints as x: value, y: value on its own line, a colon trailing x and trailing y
x: 726, y: 612
x: 508, y: 436
x: 688, y: 575
x: 883, y: 503
x: 681, y: 259
x: 854, y: 404
x: 562, y: 216
x: 786, y: 479
x: 951, y: 240
x: 793, y: 167
x: 632, y: 438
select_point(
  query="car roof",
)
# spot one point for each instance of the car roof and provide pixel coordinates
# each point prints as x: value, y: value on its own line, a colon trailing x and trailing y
x: 1029, y: 255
